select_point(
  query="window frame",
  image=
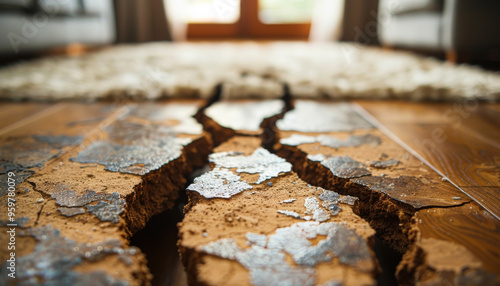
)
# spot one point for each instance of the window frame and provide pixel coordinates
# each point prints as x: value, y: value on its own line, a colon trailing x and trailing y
x: 248, y: 26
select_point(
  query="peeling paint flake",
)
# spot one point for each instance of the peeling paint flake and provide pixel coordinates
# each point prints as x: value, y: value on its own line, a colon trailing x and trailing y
x: 69, y: 212
x: 132, y: 159
x: 289, y: 201
x: 69, y: 198
x: 298, y: 139
x: 312, y: 207
x: 54, y: 258
x: 134, y: 148
x: 21, y: 154
x: 267, y: 263
x: 293, y: 214
x: 331, y: 141
x: 260, y: 162
x: 329, y: 196
x: 330, y: 201
x: 246, y: 116
x: 218, y: 183
x: 351, y: 141
x: 311, y: 116
x: 256, y: 239
x: 349, y: 200
x: 225, y: 248
x: 316, y: 157
x: 108, y: 210
x: 384, y: 164
x: 345, y: 167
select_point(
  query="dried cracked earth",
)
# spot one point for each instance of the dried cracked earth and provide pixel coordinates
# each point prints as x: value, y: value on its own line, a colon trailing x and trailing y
x: 295, y: 193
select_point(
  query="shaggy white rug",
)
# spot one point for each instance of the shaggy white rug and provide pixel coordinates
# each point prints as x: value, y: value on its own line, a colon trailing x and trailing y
x: 159, y: 70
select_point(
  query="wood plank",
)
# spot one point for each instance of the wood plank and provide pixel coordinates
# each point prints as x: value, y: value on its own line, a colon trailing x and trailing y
x: 11, y: 113
x: 462, y: 141
x: 351, y: 162
x: 468, y: 225
x: 28, y: 146
x: 441, y: 234
x: 484, y: 195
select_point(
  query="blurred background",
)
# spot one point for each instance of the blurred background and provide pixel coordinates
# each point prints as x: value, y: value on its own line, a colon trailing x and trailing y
x: 455, y: 30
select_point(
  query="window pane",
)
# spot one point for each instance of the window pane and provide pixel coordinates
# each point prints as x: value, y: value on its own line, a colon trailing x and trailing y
x: 213, y: 11
x: 285, y: 11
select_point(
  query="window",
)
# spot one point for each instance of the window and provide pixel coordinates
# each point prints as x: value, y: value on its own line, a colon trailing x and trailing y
x: 209, y: 11
x: 285, y: 11
x: 276, y: 19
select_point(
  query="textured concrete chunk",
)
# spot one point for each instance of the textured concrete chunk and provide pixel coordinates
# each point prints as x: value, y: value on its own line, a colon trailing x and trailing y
x: 287, y: 234
x: 93, y: 212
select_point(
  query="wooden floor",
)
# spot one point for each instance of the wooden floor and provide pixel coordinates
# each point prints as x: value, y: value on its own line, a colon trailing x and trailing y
x: 461, y: 141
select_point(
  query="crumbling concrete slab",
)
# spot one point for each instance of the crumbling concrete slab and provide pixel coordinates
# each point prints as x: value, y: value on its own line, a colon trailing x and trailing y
x: 96, y: 176
x: 278, y: 230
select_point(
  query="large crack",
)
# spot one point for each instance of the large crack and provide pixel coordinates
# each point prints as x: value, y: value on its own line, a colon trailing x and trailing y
x: 394, y: 220
x: 219, y: 134
x: 157, y: 190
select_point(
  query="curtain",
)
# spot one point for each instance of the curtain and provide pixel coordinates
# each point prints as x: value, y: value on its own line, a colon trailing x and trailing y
x: 360, y: 21
x: 141, y: 21
x: 326, y: 23
x: 176, y: 14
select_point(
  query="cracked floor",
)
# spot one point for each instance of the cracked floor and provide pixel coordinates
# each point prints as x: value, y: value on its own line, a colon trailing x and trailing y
x: 276, y: 192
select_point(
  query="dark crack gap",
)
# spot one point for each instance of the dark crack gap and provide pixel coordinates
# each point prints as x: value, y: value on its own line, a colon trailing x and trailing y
x: 388, y: 259
x: 158, y: 241
x: 387, y: 256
